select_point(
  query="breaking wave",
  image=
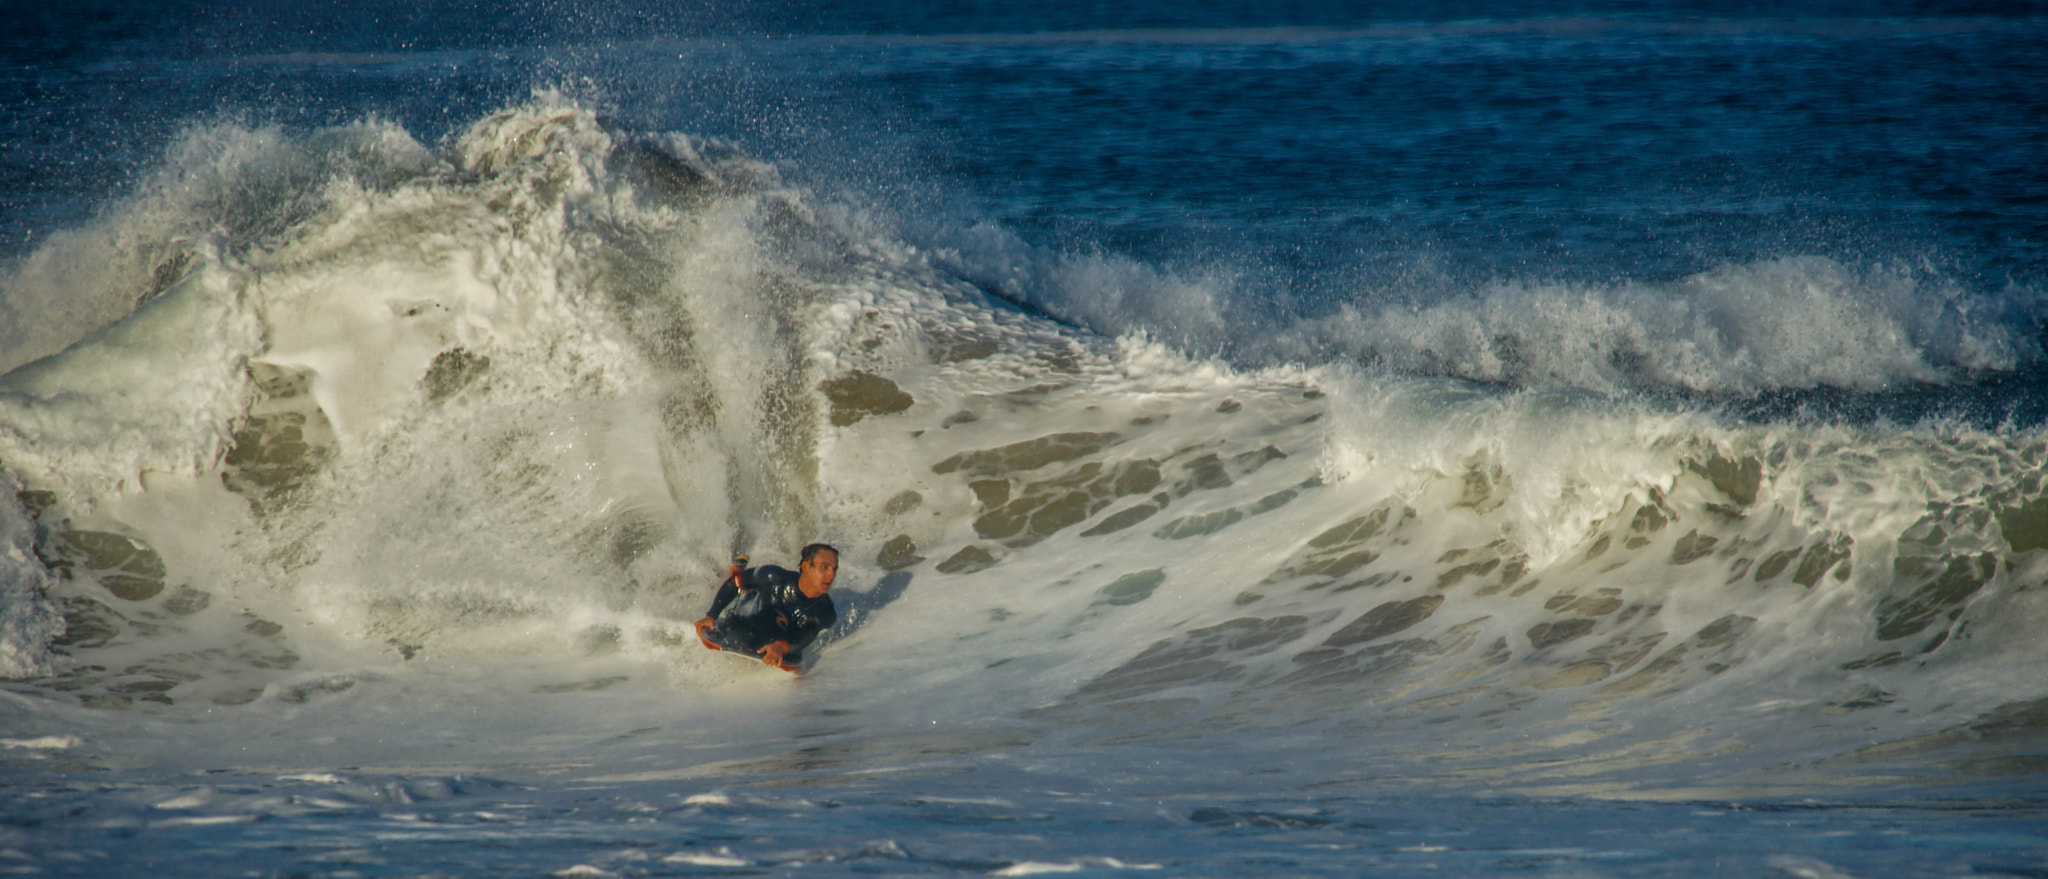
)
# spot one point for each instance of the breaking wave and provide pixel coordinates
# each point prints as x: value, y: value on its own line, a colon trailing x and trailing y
x: 386, y: 406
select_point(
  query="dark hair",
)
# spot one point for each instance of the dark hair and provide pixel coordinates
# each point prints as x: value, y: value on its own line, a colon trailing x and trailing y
x: 816, y: 548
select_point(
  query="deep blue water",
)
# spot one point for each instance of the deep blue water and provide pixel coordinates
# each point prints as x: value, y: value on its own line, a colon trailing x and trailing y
x: 1326, y: 148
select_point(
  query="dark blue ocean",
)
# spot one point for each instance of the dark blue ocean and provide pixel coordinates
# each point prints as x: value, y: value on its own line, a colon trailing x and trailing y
x: 1483, y: 439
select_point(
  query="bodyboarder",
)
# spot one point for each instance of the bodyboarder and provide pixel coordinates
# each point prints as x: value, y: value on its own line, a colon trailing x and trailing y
x: 773, y: 612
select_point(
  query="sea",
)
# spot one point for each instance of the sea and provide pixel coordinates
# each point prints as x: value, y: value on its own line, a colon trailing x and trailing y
x: 1593, y: 438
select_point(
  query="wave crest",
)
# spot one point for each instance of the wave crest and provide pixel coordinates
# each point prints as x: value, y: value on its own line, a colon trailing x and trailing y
x: 1738, y: 330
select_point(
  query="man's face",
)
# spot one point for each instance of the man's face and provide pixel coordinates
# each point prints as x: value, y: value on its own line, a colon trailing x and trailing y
x: 814, y: 577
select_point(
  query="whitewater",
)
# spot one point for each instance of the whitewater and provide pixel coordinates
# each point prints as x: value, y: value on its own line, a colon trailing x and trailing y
x: 360, y: 492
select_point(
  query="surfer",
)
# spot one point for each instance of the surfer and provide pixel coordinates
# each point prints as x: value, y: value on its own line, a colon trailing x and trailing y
x: 773, y: 612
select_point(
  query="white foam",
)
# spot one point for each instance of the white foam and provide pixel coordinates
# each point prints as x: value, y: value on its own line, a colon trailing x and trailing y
x: 218, y: 189
x: 1041, y: 868
x: 1570, y: 458
x: 43, y: 743
x: 205, y: 820
x: 697, y: 859
x: 27, y: 621
x: 1805, y: 867
x: 154, y: 393
x: 1789, y: 323
x: 1794, y: 322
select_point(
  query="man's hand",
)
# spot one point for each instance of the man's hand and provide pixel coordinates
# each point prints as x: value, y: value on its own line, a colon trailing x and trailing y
x: 772, y: 652
x: 704, y: 625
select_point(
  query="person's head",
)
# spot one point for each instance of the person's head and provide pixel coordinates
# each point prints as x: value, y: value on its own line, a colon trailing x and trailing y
x: 819, y: 566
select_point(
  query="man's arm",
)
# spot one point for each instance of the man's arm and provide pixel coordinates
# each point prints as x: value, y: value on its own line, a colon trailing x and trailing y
x: 727, y: 591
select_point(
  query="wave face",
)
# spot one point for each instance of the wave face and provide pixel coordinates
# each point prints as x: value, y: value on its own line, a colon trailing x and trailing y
x: 394, y: 422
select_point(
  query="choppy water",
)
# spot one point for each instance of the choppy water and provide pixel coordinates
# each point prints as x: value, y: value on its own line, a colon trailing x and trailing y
x: 1262, y: 441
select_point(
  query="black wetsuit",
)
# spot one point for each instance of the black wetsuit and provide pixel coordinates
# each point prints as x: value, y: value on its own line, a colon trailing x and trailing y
x: 769, y: 607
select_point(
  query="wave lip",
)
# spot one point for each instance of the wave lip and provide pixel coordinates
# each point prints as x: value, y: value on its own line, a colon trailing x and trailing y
x: 1738, y: 331
x: 1734, y: 332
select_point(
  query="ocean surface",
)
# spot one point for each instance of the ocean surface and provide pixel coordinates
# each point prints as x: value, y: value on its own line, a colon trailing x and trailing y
x: 1591, y: 439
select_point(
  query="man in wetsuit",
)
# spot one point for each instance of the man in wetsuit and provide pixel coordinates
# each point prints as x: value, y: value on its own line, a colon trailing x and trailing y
x: 771, y: 611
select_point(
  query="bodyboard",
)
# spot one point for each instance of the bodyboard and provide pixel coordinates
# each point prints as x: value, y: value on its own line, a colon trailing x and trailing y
x: 731, y: 642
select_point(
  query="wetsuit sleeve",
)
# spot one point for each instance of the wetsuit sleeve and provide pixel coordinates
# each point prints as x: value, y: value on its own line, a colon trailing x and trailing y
x: 727, y: 591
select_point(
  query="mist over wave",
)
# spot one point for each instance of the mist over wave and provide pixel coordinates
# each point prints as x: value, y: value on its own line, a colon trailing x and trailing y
x: 390, y: 416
